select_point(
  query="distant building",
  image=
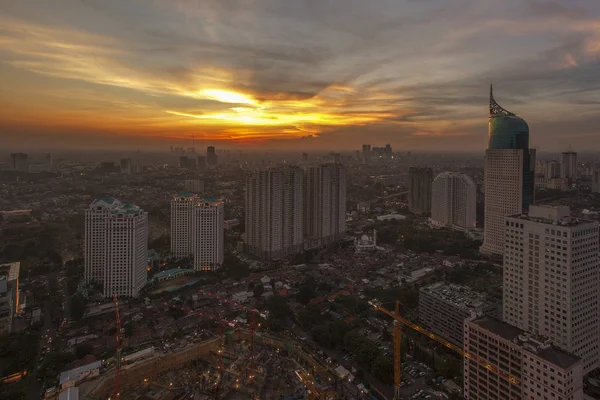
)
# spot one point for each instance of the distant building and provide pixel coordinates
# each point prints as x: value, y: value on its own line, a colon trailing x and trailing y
x: 182, y: 208
x: 443, y: 309
x: 537, y: 369
x: 207, y: 234
x: 558, y: 184
x: 454, y: 201
x: 9, y: 295
x: 201, y: 163
x: 366, y: 151
x: 48, y: 161
x: 509, y: 174
x: 194, y: 186
x: 274, y: 212
x: 116, y: 246
x: 596, y: 180
x: 568, y: 165
x: 552, y: 169
x: 551, y: 279
x: 187, y: 162
x: 126, y: 166
x: 391, y: 217
x: 211, y: 156
x: 325, y: 203
x: 419, y: 190
x: 19, y: 161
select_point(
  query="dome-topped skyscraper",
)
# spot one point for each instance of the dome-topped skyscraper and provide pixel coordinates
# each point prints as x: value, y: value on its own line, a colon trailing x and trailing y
x: 509, y: 174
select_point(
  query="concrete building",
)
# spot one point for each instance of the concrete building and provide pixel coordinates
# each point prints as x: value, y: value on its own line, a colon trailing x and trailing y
x: 443, y: 309
x: 116, y: 244
x: 552, y: 169
x: 207, y: 234
x: 9, y: 295
x: 537, y: 369
x: 509, y: 174
x: 419, y: 190
x: 366, y: 243
x: 274, y: 212
x: 182, y: 208
x: 126, y: 166
x: 552, y: 281
x: 568, y: 165
x: 194, y: 186
x: 325, y: 203
x: 211, y: 156
x: 454, y: 201
x: 19, y: 161
x: 596, y: 180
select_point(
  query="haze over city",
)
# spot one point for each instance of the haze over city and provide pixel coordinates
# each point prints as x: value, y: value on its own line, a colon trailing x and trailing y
x: 304, y: 74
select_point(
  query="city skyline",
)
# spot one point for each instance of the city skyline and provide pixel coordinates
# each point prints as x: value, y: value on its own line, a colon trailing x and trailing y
x: 302, y: 75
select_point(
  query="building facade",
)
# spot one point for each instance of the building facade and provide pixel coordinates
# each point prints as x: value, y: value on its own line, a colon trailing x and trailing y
x: 443, y: 309
x: 207, y: 234
x: 9, y: 295
x: 182, y: 208
x: 568, y: 165
x: 551, y: 279
x: 509, y: 174
x: 522, y: 366
x: 20, y: 161
x: 454, y: 201
x: 274, y: 212
x: 596, y: 180
x: 116, y: 243
x: 325, y: 203
x: 211, y: 156
x: 419, y: 190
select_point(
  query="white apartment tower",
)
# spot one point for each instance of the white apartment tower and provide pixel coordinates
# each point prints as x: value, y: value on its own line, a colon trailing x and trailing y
x: 207, y: 234
x: 509, y: 174
x: 552, y: 280
x: 116, y: 243
x: 454, y: 201
x: 325, y: 203
x: 274, y: 212
x: 182, y: 207
x: 522, y: 366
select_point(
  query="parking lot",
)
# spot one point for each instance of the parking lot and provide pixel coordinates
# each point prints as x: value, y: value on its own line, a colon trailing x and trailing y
x: 414, y: 381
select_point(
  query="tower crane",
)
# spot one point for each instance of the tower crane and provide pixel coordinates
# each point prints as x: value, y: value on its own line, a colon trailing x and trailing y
x: 399, y: 320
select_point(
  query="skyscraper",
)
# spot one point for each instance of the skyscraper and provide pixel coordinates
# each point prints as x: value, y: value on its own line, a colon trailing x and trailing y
x: 568, y: 164
x: 207, y: 234
x: 552, y: 169
x: 595, y: 180
x: 211, y: 156
x: 19, y: 161
x: 182, y: 209
x: 274, y: 212
x: 325, y: 203
x: 509, y: 174
x: 552, y: 281
x: 419, y: 190
x: 126, y: 166
x: 116, y: 243
x: 454, y: 201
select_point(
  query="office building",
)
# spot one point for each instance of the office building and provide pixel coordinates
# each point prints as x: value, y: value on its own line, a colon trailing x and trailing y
x: 419, y: 190
x: 366, y: 151
x: 182, y: 208
x: 522, y: 366
x: 568, y: 165
x: 9, y: 295
x: 211, y: 156
x: 126, y: 166
x: 274, y: 212
x: 552, y: 169
x: 325, y: 204
x: 187, y: 162
x: 552, y: 281
x: 509, y: 174
x: 194, y: 186
x: 116, y: 247
x: 19, y: 161
x: 444, y: 308
x: 207, y: 234
x: 454, y: 201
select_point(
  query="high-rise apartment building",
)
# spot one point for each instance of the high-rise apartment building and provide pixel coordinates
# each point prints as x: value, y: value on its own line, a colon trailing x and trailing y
x: 116, y: 246
x: 552, y: 169
x: 126, y: 166
x: 182, y: 208
x: 194, y: 186
x: 568, y: 165
x: 523, y: 366
x: 419, y: 190
x: 211, y: 156
x: 207, y: 234
x: 325, y: 203
x: 19, y: 161
x: 454, y: 201
x: 552, y: 279
x: 509, y: 174
x: 9, y: 295
x: 596, y: 180
x: 274, y: 212
x: 366, y: 151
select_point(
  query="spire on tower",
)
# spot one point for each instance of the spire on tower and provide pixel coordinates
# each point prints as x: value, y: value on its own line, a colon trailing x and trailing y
x: 496, y: 109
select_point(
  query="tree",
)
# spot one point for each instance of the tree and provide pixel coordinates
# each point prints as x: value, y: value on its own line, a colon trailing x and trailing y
x: 278, y: 307
x: 306, y: 292
x: 78, y: 306
x: 176, y: 312
x: 258, y: 289
x: 383, y: 369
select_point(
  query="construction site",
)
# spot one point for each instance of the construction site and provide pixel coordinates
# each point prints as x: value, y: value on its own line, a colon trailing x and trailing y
x: 237, y: 364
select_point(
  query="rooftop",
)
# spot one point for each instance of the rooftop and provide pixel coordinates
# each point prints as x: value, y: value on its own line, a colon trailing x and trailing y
x: 558, y: 216
x: 76, y: 373
x: 536, y: 345
x: 459, y: 296
x: 10, y: 270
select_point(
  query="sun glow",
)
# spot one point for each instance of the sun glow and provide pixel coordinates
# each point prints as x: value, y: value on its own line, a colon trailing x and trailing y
x: 225, y: 96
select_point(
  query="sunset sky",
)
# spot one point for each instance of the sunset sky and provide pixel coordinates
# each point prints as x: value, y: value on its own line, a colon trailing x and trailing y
x: 329, y: 74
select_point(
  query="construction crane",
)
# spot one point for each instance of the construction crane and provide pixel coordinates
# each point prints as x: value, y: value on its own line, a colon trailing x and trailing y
x: 398, y: 319
x: 117, y: 388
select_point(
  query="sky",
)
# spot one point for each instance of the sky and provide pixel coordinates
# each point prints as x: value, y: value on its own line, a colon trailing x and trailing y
x: 296, y: 74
